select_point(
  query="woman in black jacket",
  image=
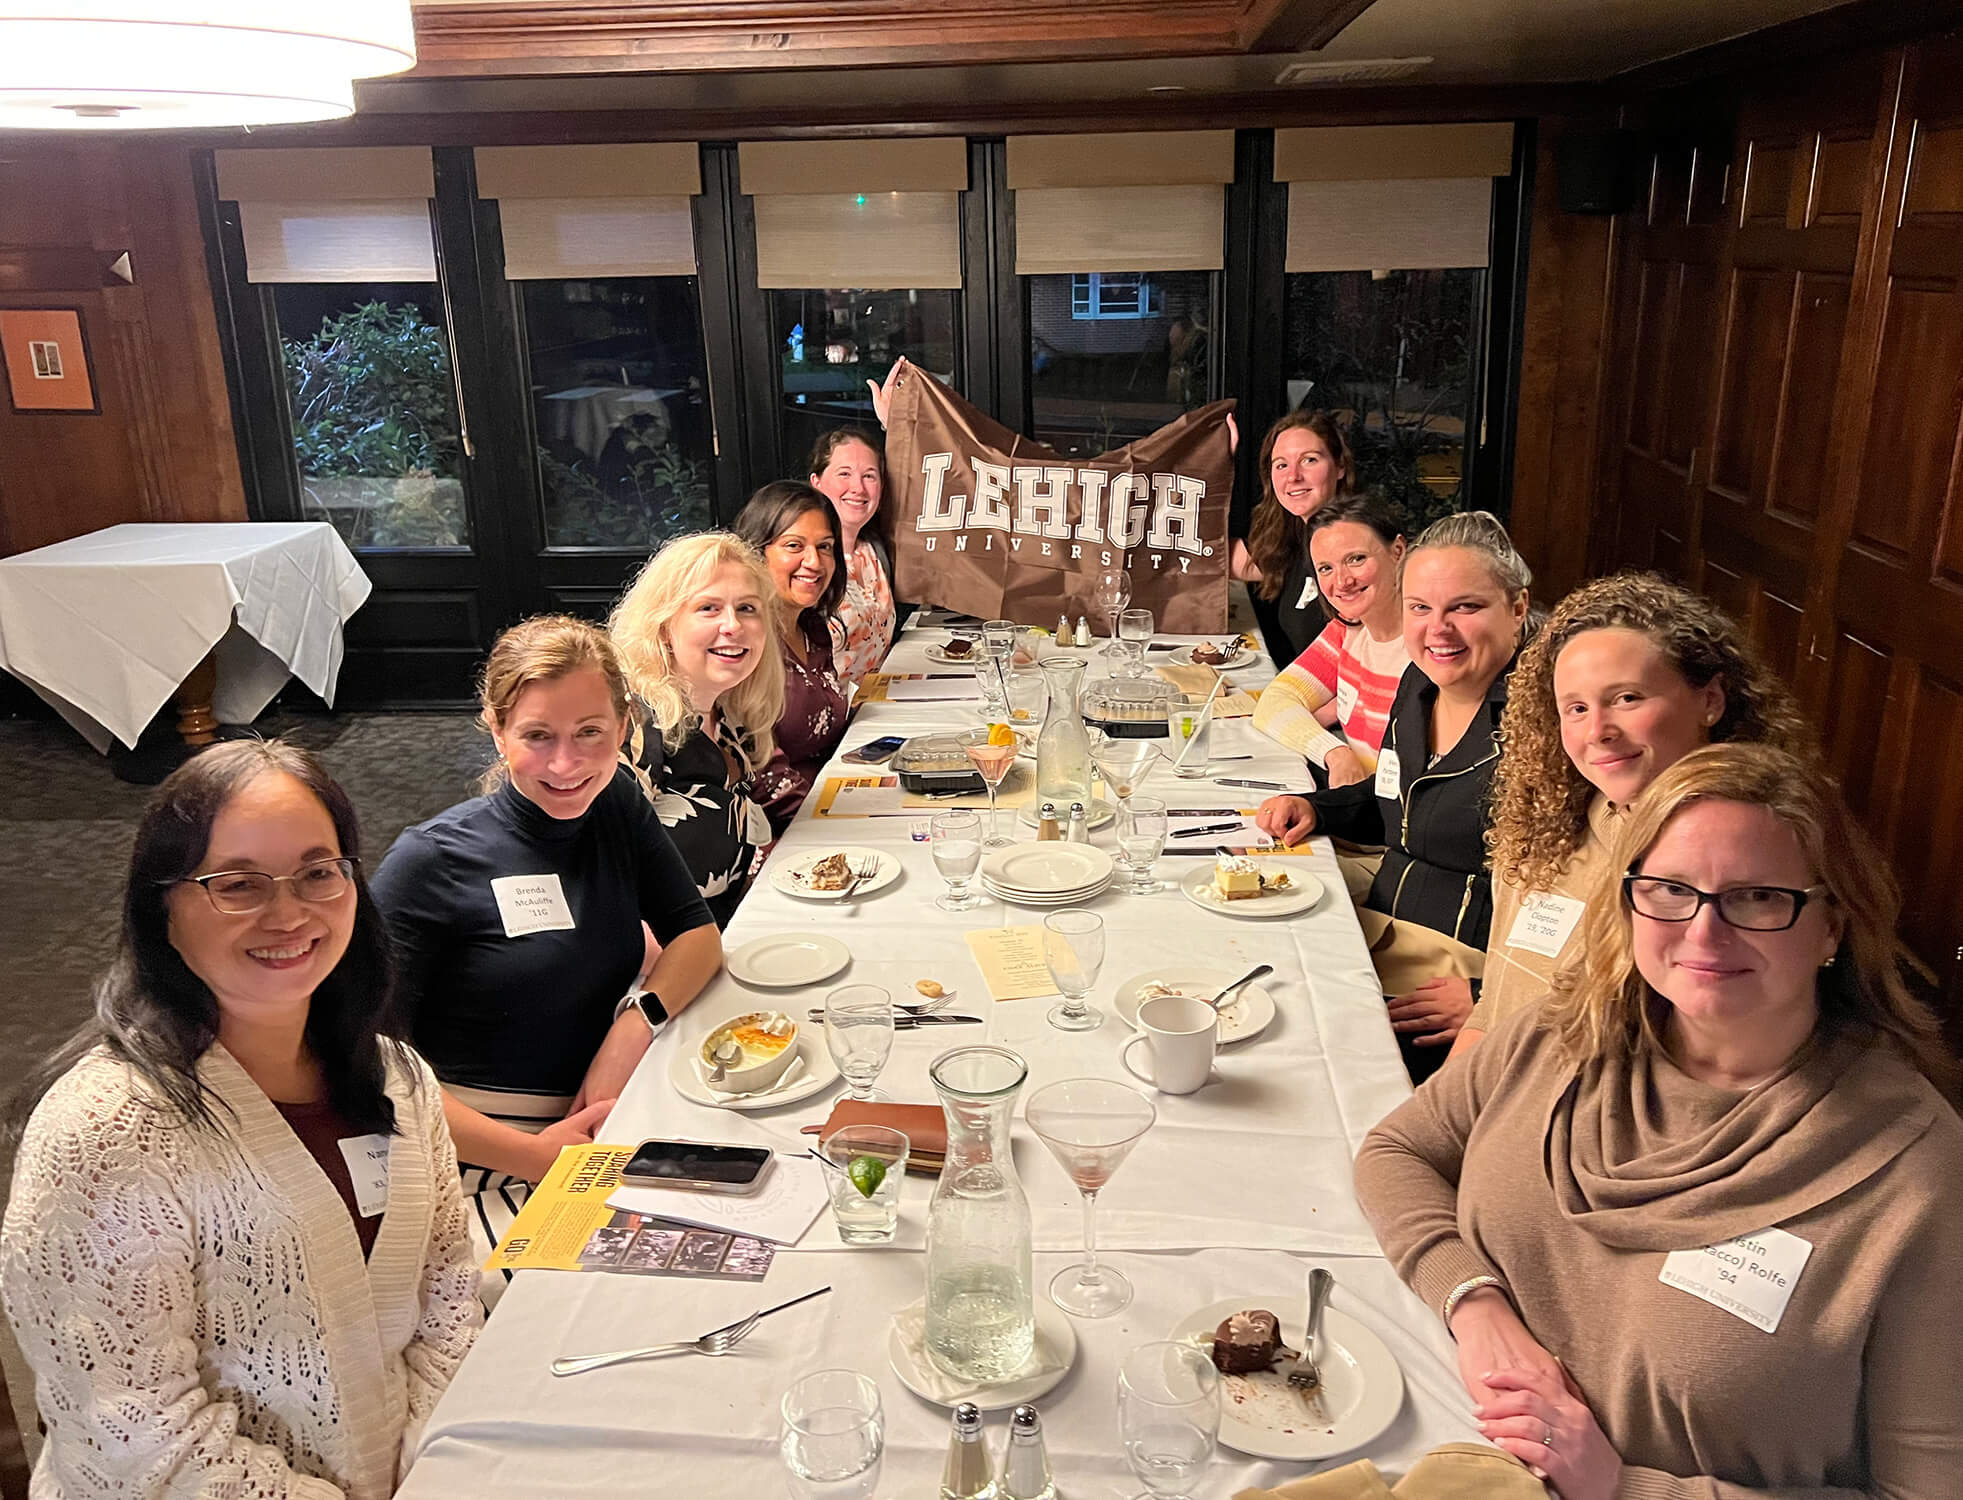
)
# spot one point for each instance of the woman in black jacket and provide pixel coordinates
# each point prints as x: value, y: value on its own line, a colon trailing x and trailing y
x: 1430, y: 902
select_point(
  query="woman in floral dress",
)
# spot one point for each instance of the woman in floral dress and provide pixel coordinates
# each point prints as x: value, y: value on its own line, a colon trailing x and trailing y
x: 846, y: 467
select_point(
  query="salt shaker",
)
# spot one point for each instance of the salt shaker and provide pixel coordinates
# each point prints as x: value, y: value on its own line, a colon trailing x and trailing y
x: 1025, y: 1461
x: 1083, y: 631
x: 1046, y: 829
x: 968, y: 1475
x: 1080, y: 825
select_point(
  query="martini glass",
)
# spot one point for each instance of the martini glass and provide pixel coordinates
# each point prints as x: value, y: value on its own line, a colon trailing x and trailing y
x: 992, y: 762
x: 1124, y: 764
x: 1090, y: 1126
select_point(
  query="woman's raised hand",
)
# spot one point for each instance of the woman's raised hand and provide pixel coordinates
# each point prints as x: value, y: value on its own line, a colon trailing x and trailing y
x: 882, y: 391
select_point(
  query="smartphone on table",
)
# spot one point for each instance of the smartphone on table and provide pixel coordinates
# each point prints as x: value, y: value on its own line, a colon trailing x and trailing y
x: 875, y: 752
x: 701, y: 1165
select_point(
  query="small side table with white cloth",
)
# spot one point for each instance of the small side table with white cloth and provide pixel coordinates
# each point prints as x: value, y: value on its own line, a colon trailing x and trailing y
x: 108, y: 627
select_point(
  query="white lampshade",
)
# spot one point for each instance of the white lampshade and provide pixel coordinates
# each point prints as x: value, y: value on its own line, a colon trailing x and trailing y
x: 136, y: 64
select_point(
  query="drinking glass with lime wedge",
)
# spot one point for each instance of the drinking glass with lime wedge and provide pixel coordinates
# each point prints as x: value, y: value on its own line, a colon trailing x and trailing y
x: 865, y: 1191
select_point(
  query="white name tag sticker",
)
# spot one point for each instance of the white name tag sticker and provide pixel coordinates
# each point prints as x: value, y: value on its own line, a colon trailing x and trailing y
x: 1308, y: 593
x: 1751, y: 1277
x: 367, y: 1157
x: 1388, y: 784
x: 1544, y: 922
x: 532, y: 903
x: 1346, y: 696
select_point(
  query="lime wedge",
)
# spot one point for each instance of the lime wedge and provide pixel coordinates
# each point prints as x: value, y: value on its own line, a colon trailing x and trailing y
x: 867, y: 1173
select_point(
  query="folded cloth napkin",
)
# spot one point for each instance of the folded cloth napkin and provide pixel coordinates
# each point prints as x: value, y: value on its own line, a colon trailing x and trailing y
x: 1456, y: 1471
x: 911, y: 1323
x: 785, y: 1079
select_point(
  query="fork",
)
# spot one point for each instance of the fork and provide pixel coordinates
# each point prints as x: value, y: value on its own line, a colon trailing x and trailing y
x: 1306, y: 1377
x: 863, y: 871
x: 721, y: 1341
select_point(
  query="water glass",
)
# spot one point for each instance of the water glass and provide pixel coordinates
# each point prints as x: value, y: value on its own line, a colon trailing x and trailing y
x: 1141, y: 840
x: 866, y: 1218
x: 957, y: 843
x: 1189, y: 721
x: 859, y: 1035
x: 1135, y: 630
x: 833, y: 1436
x: 1113, y: 593
x: 1073, y: 947
x: 1168, y: 1416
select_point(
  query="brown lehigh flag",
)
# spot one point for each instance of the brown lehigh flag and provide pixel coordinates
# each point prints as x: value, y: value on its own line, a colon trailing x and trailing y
x: 989, y: 523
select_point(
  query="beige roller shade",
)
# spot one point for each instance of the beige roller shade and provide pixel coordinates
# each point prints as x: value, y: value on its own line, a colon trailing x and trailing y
x: 1163, y: 158
x: 551, y: 239
x: 1179, y: 228
x: 1366, y: 153
x: 934, y: 164
x: 651, y: 169
x: 337, y: 241
x: 1407, y: 224
x: 863, y: 240
x: 358, y: 174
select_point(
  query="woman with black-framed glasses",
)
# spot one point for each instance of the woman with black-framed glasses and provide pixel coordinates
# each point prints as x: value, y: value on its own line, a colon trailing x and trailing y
x: 235, y: 1252
x: 1720, y: 1160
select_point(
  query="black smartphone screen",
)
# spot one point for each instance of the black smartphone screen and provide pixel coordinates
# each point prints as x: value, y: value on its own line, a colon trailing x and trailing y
x: 874, y: 751
x: 688, y: 1161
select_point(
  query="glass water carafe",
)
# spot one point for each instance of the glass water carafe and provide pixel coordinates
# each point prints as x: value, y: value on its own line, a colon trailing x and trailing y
x: 1063, y: 749
x: 981, y: 1310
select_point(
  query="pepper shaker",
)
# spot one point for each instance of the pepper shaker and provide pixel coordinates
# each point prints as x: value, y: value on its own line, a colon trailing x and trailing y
x: 1046, y: 829
x: 968, y: 1475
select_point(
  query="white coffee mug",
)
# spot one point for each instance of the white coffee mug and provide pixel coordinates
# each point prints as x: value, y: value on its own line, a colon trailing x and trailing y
x: 1181, y: 1033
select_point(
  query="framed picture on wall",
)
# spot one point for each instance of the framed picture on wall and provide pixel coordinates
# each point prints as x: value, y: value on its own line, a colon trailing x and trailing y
x: 47, y: 360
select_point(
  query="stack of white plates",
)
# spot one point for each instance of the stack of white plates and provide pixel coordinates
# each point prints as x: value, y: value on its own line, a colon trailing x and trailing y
x: 1053, y: 873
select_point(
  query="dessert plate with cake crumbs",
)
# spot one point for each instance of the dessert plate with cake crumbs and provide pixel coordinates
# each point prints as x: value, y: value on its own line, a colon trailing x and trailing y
x: 824, y: 875
x: 1286, y: 890
x: 1247, y: 1014
x: 1211, y: 654
x: 1261, y: 1414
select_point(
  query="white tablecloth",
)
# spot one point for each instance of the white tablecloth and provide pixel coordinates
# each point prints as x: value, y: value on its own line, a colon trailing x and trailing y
x: 1235, y: 1192
x: 106, y: 626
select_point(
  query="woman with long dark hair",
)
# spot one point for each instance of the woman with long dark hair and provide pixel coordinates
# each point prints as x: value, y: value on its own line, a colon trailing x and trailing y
x: 1305, y: 463
x: 235, y: 1253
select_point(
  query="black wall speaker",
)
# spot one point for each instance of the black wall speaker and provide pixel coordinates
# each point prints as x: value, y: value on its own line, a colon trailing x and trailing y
x: 1599, y: 171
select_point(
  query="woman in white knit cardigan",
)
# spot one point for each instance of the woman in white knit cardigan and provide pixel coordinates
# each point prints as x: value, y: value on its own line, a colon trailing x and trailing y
x: 235, y: 1253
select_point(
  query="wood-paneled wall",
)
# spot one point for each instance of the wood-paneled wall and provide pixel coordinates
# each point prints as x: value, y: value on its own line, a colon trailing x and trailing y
x: 161, y: 448
x: 1785, y: 422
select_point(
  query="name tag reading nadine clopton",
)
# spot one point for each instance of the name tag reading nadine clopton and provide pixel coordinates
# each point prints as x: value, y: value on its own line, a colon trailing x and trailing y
x: 532, y: 903
x: 1751, y: 1277
x: 1544, y: 922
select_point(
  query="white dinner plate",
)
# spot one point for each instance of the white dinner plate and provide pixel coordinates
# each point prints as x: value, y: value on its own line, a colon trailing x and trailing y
x: 1260, y: 1414
x: 939, y: 654
x: 788, y: 877
x: 1183, y: 657
x: 820, y: 1072
x: 1071, y: 899
x: 1052, y: 1327
x: 788, y: 959
x: 1247, y: 1014
x: 1052, y: 867
x: 1304, y: 890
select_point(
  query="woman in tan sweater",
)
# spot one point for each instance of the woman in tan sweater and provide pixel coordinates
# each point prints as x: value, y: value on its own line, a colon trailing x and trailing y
x: 1696, y: 1222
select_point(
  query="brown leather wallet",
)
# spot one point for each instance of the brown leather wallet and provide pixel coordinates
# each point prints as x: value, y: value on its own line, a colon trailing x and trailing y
x: 925, y: 1126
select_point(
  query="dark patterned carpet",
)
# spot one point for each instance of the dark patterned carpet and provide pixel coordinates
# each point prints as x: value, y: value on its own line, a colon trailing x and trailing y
x: 65, y: 829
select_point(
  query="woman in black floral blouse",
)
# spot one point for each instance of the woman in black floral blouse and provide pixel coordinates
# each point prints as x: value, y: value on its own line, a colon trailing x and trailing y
x: 796, y: 530
x: 694, y: 633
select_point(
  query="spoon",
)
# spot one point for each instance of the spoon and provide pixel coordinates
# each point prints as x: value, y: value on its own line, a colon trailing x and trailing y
x: 726, y: 1052
x: 1246, y: 979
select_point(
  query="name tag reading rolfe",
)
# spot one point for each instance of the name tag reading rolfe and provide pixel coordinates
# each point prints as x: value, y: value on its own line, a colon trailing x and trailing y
x: 532, y: 903
x: 1544, y: 922
x: 1751, y: 1277
x: 1388, y: 784
x: 367, y: 1157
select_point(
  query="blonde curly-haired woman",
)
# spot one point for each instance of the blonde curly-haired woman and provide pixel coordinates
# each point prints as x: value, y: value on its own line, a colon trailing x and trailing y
x: 694, y: 634
x: 1630, y: 675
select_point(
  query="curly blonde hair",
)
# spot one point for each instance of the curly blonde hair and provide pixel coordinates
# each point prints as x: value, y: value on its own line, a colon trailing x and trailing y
x: 639, y: 626
x: 1540, y: 800
x: 1602, y: 1006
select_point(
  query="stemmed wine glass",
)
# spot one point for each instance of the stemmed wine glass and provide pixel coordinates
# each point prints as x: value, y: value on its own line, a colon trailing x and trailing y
x: 833, y: 1436
x: 957, y: 855
x: 1090, y: 1126
x: 1141, y: 839
x: 859, y: 1034
x: 1073, y: 947
x: 1113, y: 593
x: 992, y: 761
x: 1168, y: 1416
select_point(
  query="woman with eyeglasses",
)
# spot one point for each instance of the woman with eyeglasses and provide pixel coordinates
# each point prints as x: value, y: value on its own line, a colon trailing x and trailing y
x: 1696, y: 1221
x: 1630, y: 674
x: 235, y: 1253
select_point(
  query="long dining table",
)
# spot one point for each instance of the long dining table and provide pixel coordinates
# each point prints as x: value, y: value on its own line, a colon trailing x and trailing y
x: 1235, y: 1192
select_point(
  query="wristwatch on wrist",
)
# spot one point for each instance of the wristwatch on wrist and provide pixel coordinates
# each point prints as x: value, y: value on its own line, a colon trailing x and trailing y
x: 649, y: 1005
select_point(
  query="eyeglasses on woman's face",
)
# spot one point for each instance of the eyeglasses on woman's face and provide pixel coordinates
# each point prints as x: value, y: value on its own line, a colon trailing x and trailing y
x: 239, y: 892
x: 1750, y: 908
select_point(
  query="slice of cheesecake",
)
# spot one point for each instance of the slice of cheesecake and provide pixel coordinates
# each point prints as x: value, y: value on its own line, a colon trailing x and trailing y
x: 1236, y: 877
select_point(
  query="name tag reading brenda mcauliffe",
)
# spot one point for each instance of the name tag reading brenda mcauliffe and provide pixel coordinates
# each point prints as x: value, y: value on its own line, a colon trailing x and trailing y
x: 532, y: 903
x: 1751, y: 1277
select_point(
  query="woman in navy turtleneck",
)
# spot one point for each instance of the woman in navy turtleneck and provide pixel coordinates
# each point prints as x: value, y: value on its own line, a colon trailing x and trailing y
x: 517, y: 918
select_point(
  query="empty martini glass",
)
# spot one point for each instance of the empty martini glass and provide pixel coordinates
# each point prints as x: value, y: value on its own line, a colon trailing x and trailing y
x: 1124, y: 764
x: 992, y: 761
x: 1090, y: 1126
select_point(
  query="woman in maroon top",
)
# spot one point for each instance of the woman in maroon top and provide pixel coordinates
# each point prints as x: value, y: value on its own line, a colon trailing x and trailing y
x: 796, y: 530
